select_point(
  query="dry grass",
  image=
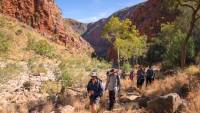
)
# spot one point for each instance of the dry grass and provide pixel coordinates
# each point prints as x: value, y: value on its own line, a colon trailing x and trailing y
x: 168, y: 85
x: 194, y: 99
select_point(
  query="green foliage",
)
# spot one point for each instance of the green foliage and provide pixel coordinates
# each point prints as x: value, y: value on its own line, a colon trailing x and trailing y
x: 126, y: 67
x: 36, y: 67
x: 125, y: 38
x: 41, y: 47
x: 50, y: 87
x: 9, y: 71
x: 5, y: 43
x: 172, y: 38
x: 155, y: 53
x: 66, y: 77
x: 197, y: 59
x: 2, y: 22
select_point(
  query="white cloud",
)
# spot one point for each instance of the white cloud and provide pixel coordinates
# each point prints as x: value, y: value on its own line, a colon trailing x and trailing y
x: 95, y: 18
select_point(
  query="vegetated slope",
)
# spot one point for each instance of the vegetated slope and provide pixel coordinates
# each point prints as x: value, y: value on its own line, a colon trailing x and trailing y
x: 31, y: 67
x: 147, y: 17
x: 45, y: 16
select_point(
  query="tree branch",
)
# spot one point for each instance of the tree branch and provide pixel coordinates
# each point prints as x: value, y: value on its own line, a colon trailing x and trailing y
x: 197, y: 27
x: 198, y: 17
x: 186, y: 5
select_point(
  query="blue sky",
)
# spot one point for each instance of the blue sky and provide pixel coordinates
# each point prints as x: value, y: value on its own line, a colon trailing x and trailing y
x: 92, y: 10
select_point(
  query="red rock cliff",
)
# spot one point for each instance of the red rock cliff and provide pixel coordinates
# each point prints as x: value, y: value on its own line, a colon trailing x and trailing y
x: 147, y: 17
x: 44, y: 15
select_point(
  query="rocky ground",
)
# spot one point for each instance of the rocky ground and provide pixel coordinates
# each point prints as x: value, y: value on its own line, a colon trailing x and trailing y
x: 23, y: 94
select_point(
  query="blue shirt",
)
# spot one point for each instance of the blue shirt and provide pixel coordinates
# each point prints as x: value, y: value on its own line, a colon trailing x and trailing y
x: 97, y: 88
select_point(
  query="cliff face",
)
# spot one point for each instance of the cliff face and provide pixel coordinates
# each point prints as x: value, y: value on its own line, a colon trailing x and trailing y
x: 45, y: 16
x: 78, y: 27
x: 147, y: 17
x: 41, y: 14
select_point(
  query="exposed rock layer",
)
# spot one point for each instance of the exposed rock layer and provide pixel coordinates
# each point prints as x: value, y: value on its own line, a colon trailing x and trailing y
x: 147, y: 17
x: 45, y: 16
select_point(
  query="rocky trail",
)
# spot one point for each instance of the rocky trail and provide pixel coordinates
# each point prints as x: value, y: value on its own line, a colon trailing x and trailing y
x: 23, y: 94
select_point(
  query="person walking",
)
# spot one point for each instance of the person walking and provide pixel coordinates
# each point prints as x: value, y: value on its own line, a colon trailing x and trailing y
x: 113, y: 86
x: 131, y: 75
x: 140, y: 77
x: 149, y: 75
x: 95, y: 91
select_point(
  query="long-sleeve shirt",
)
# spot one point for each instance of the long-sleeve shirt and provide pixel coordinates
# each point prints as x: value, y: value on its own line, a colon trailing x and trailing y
x: 97, y: 88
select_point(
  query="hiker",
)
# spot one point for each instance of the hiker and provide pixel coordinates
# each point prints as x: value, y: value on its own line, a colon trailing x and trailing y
x: 140, y: 77
x: 149, y: 75
x: 113, y: 86
x: 131, y: 75
x: 95, y: 91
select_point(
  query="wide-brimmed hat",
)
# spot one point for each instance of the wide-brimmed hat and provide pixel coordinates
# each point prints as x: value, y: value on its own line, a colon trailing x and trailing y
x: 94, y: 74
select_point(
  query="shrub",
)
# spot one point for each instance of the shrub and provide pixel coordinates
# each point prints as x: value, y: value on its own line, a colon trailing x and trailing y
x: 155, y: 53
x: 172, y: 37
x: 8, y: 71
x: 173, y: 53
x: 2, y: 22
x: 4, y: 43
x: 41, y: 47
x: 126, y: 67
x: 197, y: 59
x: 65, y: 77
x: 50, y: 87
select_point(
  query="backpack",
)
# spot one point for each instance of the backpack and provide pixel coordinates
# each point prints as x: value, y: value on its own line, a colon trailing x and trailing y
x: 141, y: 74
x: 118, y: 80
x: 150, y: 73
x: 100, y: 86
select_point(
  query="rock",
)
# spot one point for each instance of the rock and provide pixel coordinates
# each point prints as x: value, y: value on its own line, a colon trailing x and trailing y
x: 76, y: 26
x: 67, y: 109
x: 184, y: 90
x: 165, y: 104
x: 69, y: 97
x: 142, y: 101
x: 147, y: 17
x: 46, y: 17
x: 131, y: 98
x: 27, y: 85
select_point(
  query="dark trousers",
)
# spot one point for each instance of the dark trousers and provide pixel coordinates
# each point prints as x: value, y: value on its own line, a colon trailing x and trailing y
x: 148, y: 81
x: 111, y: 99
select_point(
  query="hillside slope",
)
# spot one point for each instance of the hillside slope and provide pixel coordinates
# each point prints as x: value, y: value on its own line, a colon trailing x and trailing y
x: 77, y: 26
x: 147, y: 17
x: 46, y: 17
x: 31, y: 67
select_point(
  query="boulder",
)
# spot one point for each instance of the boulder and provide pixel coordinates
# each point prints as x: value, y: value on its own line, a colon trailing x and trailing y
x: 164, y: 104
x: 131, y: 98
x: 142, y: 101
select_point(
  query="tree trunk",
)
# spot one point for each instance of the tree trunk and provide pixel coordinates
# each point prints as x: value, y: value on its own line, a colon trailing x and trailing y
x: 183, y: 54
x: 189, y: 33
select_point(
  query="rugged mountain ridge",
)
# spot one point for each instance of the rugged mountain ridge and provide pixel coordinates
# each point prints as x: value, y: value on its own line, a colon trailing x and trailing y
x: 45, y: 16
x: 147, y: 17
x: 77, y: 26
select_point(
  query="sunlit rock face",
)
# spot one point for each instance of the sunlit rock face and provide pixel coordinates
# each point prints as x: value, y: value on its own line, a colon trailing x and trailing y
x: 147, y: 17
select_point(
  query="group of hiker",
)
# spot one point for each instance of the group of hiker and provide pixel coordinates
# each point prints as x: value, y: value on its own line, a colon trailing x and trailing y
x: 142, y: 75
x: 95, y: 87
